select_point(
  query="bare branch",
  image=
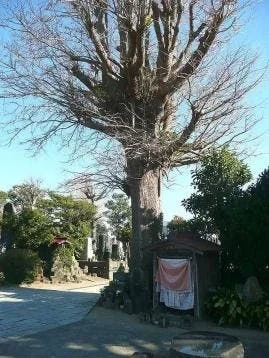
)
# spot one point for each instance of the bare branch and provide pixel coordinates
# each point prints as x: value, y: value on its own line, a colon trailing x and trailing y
x: 96, y: 68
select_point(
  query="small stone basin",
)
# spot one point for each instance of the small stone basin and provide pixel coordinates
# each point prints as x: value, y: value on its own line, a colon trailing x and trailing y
x: 206, y: 344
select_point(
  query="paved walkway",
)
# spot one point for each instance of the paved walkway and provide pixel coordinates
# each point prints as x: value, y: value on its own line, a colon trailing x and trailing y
x: 52, y: 322
x: 28, y: 310
x: 106, y: 333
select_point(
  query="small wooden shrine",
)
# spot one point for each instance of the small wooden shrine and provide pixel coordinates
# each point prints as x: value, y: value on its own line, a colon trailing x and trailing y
x: 204, y: 258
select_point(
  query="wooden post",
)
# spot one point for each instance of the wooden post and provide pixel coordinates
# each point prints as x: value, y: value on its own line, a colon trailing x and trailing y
x: 196, y: 288
x: 154, y: 293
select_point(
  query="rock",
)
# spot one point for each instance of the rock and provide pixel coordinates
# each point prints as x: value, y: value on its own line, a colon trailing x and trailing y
x: 252, y: 291
x: 61, y: 273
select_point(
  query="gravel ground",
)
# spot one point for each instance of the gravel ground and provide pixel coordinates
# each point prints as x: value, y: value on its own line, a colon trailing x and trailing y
x: 66, y: 286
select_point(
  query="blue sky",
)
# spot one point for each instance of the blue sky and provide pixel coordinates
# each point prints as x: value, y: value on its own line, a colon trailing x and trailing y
x: 18, y: 165
x: 254, y: 35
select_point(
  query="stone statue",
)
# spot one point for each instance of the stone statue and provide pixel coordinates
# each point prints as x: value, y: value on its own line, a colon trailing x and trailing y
x: 6, y: 239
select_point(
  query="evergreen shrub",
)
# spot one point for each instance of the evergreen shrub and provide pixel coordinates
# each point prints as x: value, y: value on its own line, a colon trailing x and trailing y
x: 20, y: 265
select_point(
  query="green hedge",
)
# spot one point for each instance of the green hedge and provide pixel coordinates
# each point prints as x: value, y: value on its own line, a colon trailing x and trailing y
x: 226, y: 306
x: 20, y: 265
x: 66, y: 256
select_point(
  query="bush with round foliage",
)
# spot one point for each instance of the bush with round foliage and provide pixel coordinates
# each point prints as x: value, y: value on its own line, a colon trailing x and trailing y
x: 227, y: 307
x: 20, y: 265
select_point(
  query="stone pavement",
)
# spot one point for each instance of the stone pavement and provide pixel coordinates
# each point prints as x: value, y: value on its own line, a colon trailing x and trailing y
x: 28, y: 310
x: 52, y: 322
x: 106, y: 333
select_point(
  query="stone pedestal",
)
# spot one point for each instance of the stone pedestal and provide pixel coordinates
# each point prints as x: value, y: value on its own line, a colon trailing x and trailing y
x: 206, y: 344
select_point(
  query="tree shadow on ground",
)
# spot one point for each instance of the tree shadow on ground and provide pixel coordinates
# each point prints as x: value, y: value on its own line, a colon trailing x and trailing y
x: 108, y: 333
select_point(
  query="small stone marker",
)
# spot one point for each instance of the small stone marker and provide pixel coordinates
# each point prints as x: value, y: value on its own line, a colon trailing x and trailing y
x: 252, y: 291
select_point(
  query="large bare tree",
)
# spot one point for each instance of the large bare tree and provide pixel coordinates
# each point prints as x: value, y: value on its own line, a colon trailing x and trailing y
x: 154, y: 78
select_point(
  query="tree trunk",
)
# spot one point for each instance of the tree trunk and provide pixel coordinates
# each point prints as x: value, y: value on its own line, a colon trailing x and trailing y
x: 146, y: 227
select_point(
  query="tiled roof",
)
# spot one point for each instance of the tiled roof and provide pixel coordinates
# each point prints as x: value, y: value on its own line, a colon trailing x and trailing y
x: 186, y: 241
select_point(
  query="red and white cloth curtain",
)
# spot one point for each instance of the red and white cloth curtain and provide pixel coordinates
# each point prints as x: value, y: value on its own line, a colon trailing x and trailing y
x: 174, y: 283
